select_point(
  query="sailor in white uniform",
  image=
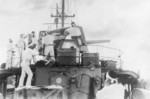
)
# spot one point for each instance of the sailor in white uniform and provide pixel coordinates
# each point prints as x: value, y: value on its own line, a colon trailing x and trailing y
x: 28, y: 55
x: 9, y: 61
x: 48, y: 47
x: 32, y: 39
x: 74, y: 32
x: 21, y: 46
x: 111, y: 90
x: 77, y: 34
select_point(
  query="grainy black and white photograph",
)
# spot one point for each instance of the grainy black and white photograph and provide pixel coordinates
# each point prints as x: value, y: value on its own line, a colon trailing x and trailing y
x: 74, y: 49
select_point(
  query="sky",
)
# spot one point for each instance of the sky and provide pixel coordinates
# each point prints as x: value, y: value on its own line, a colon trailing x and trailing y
x: 125, y: 22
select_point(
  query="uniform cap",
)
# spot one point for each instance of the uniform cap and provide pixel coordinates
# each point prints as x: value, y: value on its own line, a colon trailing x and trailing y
x: 72, y: 23
x: 33, y: 32
x: 21, y: 35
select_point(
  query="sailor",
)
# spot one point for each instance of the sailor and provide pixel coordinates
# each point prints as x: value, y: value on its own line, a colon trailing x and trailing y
x: 111, y: 78
x: 16, y: 57
x: 32, y: 38
x: 9, y: 61
x: 48, y: 48
x: 40, y: 45
x: 28, y: 55
x: 76, y: 33
x: 21, y: 45
x: 113, y: 89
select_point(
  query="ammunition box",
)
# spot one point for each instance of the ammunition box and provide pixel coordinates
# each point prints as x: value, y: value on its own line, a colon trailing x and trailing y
x: 66, y: 57
x: 90, y: 58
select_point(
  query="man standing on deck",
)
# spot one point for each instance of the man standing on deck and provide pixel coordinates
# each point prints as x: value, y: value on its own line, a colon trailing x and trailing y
x: 9, y: 61
x: 48, y: 48
x: 76, y: 33
x: 113, y: 89
x: 32, y: 38
x: 21, y: 46
x: 27, y: 56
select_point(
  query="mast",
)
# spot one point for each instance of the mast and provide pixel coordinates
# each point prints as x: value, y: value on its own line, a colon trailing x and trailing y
x: 56, y: 19
x: 62, y: 15
x: 63, y: 12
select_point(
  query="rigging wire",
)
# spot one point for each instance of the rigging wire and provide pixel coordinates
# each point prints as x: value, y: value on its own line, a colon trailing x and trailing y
x: 76, y: 10
x: 51, y: 11
x: 67, y: 2
x: 68, y: 11
x: 68, y: 8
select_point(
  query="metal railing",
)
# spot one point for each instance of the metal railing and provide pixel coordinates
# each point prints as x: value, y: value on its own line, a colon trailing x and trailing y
x: 107, y: 53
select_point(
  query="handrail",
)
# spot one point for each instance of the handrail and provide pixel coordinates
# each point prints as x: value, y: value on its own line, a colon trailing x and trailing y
x: 105, y: 53
x: 108, y: 53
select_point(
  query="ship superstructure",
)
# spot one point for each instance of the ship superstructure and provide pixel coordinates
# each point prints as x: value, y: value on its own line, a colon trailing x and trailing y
x: 76, y: 73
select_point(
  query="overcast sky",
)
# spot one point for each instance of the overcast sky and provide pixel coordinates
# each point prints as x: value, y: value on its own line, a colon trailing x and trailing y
x: 125, y: 22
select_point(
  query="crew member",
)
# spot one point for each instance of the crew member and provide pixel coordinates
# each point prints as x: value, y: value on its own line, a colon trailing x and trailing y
x: 110, y: 78
x: 20, y: 46
x: 28, y: 55
x: 40, y: 46
x: 9, y: 61
x: 113, y: 89
x: 76, y: 33
x: 48, y: 48
x: 32, y: 38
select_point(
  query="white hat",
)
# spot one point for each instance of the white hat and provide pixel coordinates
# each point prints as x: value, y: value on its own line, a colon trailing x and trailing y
x: 110, y: 78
